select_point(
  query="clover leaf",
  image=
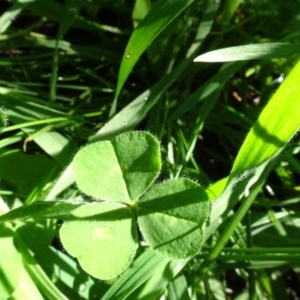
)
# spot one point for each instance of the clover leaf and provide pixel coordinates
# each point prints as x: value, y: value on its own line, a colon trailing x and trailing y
x: 118, y: 175
x: 171, y: 216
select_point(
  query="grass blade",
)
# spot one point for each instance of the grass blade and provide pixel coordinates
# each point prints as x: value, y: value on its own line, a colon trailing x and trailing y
x: 272, y: 131
x: 8, y: 17
x: 133, y: 113
x: 276, y: 125
x: 247, y: 52
x: 142, y: 269
x: 161, y: 14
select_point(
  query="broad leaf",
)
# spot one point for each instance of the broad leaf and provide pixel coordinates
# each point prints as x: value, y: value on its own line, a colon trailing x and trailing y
x: 104, y: 248
x: 119, y: 170
x: 172, y: 215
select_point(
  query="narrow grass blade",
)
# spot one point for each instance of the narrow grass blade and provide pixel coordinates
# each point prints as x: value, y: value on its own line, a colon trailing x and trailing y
x: 71, y: 15
x: 140, y: 10
x: 178, y: 288
x: 63, y: 182
x: 40, y: 278
x: 40, y: 209
x: 141, y: 270
x: 8, y: 17
x: 229, y: 198
x: 161, y: 14
x: 133, y: 113
x: 26, y: 290
x: 229, y: 9
x: 56, y: 145
x: 10, y: 262
x: 272, y: 131
x: 156, y: 285
x: 247, y: 52
x: 3, y: 120
x: 209, y: 91
x: 61, y: 266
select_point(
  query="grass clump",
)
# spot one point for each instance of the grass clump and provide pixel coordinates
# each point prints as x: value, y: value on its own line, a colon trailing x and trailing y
x: 216, y: 83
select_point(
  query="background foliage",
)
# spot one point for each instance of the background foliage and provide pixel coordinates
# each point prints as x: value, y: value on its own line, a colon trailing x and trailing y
x: 75, y: 72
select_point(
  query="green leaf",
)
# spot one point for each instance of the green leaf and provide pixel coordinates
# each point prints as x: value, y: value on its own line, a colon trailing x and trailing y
x: 27, y: 288
x: 155, y: 286
x: 135, y: 111
x: 230, y: 7
x: 275, y: 126
x: 63, y: 182
x: 161, y: 14
x: 172, y: 215
x: 265, y: 234
x: 148, y: 265
x: 119, y: 170
x: 256, y: 51
x: 70, y: 16
x: 8, y: 17
x: 209, y: 91
x: 3, y: 119
x: 37, y: 234
x: 178, y: 288
x: 10, y: 262
x: 41, y: 209
x: 22, y: 171
x: 69, y: 276
x: 104, y: 249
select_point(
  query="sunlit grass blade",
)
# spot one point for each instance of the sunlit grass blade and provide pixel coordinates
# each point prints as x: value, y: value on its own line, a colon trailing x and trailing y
x: 291, y: 80
x: 10, y: 261
x: 65, y: 270
x: 8, y: 17
x: 40, y: 278
x: 247, y: 52
x: 276, y: 125
x: 27, y: 289
x: 63, y: 182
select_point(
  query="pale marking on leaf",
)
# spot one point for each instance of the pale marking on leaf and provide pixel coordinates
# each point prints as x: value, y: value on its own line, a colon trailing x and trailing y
x: 102, y: 234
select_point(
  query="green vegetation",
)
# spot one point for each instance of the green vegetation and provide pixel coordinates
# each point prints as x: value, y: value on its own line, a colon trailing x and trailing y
x: 152, y: 145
